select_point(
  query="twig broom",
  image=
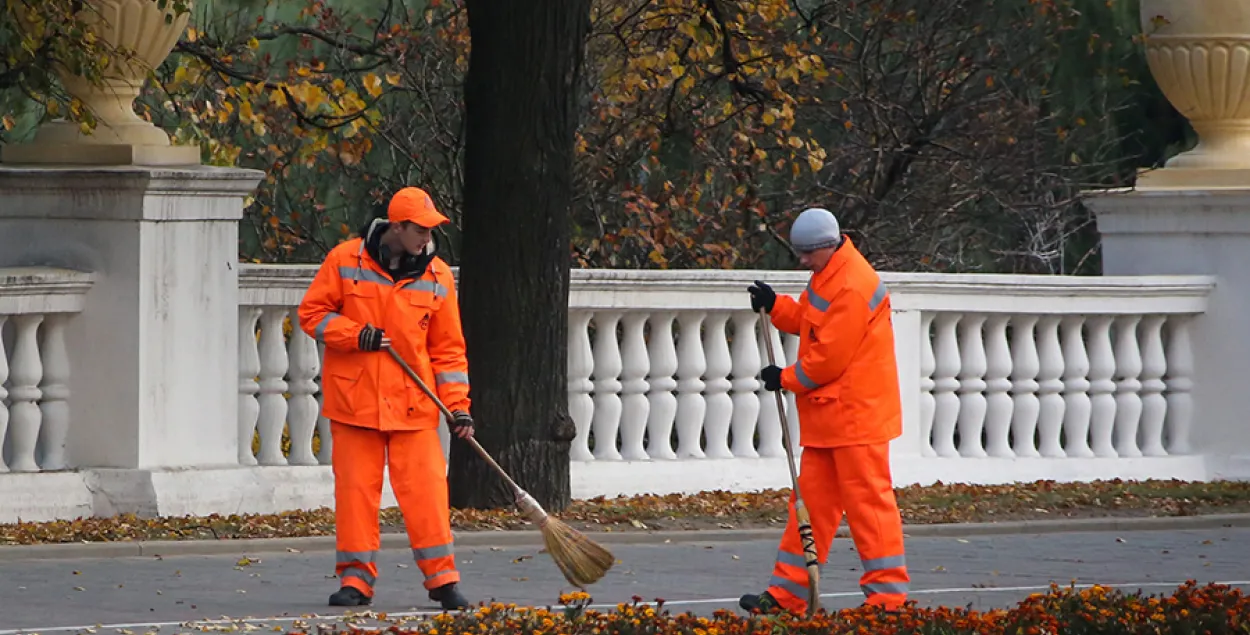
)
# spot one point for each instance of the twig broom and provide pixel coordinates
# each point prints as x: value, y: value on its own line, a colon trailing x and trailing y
x: 800, y: 509
x: 579, y: 558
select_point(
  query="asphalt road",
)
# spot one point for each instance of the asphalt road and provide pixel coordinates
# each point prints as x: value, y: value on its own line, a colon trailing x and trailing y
x: 287, y: 590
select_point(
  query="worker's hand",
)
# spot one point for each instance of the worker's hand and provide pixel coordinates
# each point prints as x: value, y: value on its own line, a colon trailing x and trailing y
x: 373, y: 338
x: 462, y: 424
x: 762, y: 296
x: 772, y: 377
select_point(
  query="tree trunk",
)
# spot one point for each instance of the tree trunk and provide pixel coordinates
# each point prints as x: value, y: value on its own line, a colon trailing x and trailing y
x: 520, y: 120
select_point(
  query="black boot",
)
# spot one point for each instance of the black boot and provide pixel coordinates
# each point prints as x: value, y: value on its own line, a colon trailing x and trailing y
x: 764, y: 602
x: 349, y: 596
x: 450, y: 597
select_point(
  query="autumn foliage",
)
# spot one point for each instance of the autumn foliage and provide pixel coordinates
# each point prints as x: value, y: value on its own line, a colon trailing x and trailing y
x: 943, y: 134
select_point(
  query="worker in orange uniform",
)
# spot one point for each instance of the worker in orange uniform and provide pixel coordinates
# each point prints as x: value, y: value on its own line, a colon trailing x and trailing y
x: 846, y: 384
x: 388, y: 289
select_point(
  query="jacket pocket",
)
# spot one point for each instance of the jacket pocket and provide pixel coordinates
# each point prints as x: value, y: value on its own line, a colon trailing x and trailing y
x: 342, y: 387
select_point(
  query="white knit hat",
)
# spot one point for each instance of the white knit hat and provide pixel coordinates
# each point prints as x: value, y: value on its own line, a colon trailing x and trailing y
x: 816, y: 228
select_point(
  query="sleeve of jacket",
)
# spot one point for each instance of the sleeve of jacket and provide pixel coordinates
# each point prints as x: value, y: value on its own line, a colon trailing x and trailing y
x: 447, y: 352
x: 319, y: 315
x: 785, y: 314
x: 838, y: 337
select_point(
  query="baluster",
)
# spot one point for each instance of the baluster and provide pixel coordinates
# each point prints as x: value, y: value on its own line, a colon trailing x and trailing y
x: 24, y: 394
x: 662, y: 402
x: 719, y: 405
x: 302, y: 406
x: 1051, y: 405
x: 1076, y: 402
x: 769, y: 425
x: 1128, y: 406
x: 634, y: 406
x: 55, y: 388
x: 581, y: 364
x: 927, y: 365
x: 1025, y: 368
x: 946, y: 402
x: 998, y: 404
x: 325, y: 452
x: 1102, y: 403
x: 1179, y: 380
x: 4, y: 394
x: 971, y: 386
x: 746, y: 403
x: 273, y: 406
x: 789, y: 356
x: 691, y: 364
x: 1153, y: 405
x: 249, y: 368
x: 607, y: 416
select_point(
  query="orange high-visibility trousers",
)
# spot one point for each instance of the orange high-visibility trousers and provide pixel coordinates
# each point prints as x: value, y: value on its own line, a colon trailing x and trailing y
x: 856, y: 480
x: 418, y: 478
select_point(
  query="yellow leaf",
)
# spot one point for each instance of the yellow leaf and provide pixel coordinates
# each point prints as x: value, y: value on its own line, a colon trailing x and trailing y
x: 392, y: 79
x: 372, y: 84
x: 253, y: 43
x: 795, y: 142
x: 8, y: 122
x: 769, y: 119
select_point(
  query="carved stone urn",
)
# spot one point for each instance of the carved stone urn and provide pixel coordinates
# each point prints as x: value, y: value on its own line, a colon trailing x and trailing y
x: 121, y: 137
x: 1199, y: 54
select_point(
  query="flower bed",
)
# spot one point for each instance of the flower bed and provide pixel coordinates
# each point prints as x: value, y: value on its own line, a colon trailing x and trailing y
x: 1212, y: 609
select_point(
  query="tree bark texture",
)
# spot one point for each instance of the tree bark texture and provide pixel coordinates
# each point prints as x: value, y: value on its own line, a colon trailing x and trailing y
x: 520, y: 123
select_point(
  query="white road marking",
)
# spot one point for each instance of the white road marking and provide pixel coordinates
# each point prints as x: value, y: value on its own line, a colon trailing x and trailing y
x: 208, y: 624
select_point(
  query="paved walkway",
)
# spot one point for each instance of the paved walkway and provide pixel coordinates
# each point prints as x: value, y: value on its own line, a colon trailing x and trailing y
x: 284, y: 589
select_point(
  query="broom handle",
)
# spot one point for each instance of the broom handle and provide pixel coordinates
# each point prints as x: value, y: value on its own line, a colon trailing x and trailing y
x: 781, y: 408
x: 450, y: 417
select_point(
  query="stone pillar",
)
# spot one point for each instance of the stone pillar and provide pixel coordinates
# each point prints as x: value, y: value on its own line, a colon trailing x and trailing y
x: 154, y: 354
x: 1192, y: 217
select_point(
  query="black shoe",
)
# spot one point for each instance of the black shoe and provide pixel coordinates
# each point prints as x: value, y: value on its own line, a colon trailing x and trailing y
x: 764, y: 602
x: 450, y: 597
x: 349, y: 596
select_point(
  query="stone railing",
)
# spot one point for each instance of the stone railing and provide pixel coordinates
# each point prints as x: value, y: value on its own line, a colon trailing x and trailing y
x: 35, y: 307
x: 1086, y: 377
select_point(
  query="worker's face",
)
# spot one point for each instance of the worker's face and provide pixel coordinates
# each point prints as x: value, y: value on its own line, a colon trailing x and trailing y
x: 815, y: 261
x: 412, y: 237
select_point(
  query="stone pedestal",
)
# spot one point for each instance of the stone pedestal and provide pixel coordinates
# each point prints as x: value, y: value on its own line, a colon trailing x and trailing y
x: 154, y: 355
x: 1195, y: 232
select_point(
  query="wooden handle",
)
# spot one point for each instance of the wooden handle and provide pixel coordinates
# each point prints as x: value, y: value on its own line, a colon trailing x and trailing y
x: 450, y: 418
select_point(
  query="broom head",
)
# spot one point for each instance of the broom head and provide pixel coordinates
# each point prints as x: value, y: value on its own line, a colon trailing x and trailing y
x: 580, y: 559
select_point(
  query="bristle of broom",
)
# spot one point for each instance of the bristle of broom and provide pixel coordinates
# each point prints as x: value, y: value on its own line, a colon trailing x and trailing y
x: 580, y: 559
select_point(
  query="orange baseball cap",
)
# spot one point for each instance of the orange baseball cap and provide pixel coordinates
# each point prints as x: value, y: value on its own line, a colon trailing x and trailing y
x: 413, y: 204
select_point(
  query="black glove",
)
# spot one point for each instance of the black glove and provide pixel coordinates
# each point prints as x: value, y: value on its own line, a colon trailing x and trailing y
x: 762, y: 296
x: 772, y: 377
x: 461, y: 423
x: 370, y: 338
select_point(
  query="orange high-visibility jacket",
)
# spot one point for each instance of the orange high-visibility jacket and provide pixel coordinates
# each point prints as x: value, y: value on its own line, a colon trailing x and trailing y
x: 846, y: 379
x: 422, y: 319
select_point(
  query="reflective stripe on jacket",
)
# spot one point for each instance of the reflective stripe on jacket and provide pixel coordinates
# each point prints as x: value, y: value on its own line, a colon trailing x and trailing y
x: 422, y: 319
x: 846, y: 377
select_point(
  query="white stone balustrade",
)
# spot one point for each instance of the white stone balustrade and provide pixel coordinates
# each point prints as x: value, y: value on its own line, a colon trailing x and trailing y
x: 1004, y: 378
x: 35, y: 306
